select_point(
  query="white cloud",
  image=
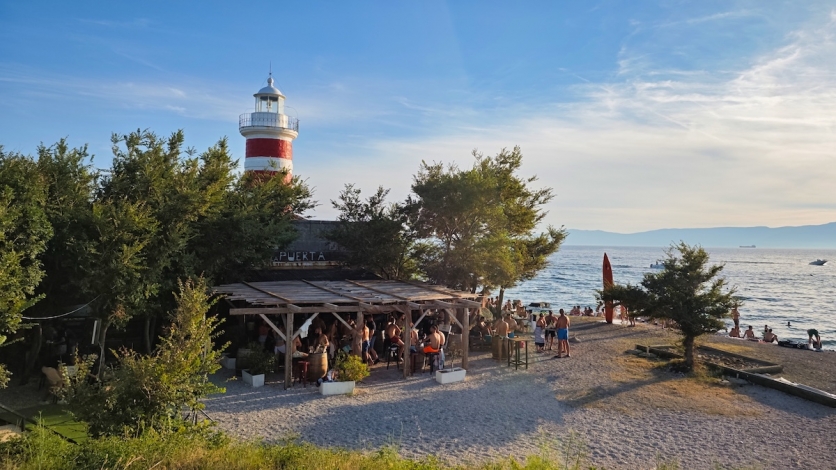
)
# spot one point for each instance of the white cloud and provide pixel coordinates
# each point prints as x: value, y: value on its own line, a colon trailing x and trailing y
x: 753, y: 147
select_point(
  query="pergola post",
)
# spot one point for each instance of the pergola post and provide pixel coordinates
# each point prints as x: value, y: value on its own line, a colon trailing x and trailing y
x: 288, y: 351
x: 407, y: 339
x: 465, y: 337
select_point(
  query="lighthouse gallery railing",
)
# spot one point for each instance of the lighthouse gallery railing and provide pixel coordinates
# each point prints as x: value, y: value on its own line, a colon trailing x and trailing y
x: 282, y: 121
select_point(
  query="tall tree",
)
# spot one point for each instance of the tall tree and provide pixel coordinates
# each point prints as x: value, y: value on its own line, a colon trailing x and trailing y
x: 375, y: 234
x: 478, y: 224
x: 688, y: 291
x: 24, y: 233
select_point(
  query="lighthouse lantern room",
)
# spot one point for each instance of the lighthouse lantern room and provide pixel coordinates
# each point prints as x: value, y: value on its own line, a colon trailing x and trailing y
x: 269, y: 133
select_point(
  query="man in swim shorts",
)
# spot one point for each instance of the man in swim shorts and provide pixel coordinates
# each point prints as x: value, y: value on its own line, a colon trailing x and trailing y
x: 550, y: 332
x: 562, y: 334
x: 810, y: 334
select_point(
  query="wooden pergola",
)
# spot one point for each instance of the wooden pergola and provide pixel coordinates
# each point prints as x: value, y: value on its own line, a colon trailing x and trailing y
x: 311, y: 298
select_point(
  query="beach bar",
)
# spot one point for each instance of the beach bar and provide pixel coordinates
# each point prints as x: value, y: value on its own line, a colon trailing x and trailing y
x: 286, y: 299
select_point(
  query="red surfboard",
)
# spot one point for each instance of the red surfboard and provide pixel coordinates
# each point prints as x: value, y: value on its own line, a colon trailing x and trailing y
x: 608, y: 311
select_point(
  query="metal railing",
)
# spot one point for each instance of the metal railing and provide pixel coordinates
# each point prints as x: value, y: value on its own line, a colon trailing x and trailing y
x: 281, y: 121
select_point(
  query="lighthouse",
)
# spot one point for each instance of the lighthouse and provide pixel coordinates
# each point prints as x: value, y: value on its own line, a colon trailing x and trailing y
x: 269, y: 133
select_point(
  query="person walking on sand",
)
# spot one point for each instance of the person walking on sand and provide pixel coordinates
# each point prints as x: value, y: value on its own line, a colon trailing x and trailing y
x: 562, y: 334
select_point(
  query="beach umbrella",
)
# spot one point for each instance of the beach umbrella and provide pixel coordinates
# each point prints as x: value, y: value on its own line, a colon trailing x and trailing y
x: 608, y: 312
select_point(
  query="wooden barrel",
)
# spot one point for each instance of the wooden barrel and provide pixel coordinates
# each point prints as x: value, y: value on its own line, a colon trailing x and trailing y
x: 499, y: 349
x: 317, y: 366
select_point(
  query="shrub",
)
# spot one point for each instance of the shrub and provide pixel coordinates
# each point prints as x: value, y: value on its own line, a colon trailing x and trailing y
x: 351, y: 368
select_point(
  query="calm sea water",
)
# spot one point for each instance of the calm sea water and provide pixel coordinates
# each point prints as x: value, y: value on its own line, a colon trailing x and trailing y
x: 776, y: 285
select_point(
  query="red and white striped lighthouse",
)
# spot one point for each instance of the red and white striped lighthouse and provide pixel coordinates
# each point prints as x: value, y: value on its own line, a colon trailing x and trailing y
x: 269, y: 133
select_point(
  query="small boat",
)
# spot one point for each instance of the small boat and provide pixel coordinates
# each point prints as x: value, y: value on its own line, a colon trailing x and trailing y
x: 818, y: 262
x: 657, y: 265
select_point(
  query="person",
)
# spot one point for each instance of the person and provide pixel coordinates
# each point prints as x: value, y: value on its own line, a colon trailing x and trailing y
x: 393, y: 334
x: 320, y: 340
x: 735, y: 332
x: 736, y: 318
x: 434, y: 341
x: 372, y: 326
x: 539, y: 338
x: 788, y: 325
x: 500, y: 327
x: 810, y: 334
x: 765, y: 328
x: 550, y: 330
x: 770, y: 337
x: 562, y: 334
x: 263, y: 331
x: 280, y: 344
x: 750, y: 334
x: 512, y: 325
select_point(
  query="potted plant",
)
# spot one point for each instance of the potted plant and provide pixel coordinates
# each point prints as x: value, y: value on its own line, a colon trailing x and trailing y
x: 260, y: 362
x: 227, y: 361
x: 349, y: 369
x: 451, y: 374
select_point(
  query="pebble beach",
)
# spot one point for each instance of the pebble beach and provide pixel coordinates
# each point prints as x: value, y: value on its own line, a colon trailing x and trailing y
x: 613, y: 409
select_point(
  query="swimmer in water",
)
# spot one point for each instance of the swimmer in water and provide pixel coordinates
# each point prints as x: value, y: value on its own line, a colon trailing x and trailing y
x: 788, y: 325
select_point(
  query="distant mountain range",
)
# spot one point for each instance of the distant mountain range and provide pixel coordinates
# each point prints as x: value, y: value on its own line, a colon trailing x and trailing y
x: 805, y: 236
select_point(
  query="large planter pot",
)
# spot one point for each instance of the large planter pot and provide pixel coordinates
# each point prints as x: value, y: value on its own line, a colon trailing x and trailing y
x: 446, y: 376
x: 336, y: 388
x: 253, y: 380
x: 228, y: 362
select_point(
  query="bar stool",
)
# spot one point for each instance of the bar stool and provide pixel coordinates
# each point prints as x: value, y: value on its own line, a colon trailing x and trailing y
x: 392, y: 353
x: 303, y: 373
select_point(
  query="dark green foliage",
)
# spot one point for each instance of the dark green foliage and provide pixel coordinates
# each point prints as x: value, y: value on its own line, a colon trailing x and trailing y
x: 24, y: 232
x: 687, y: 291
x: 376, y: 235
x: 151, y: 392
x: 478, y: 225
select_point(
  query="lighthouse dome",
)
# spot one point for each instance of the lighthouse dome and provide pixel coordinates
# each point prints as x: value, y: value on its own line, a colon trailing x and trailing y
x: 269, y: 90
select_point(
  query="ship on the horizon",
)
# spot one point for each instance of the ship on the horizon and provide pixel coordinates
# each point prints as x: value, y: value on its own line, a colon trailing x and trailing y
x: 748, y: 246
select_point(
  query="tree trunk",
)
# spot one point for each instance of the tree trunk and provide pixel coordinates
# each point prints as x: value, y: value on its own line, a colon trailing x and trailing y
x: 33, y: 354
x: 688, y: 342
x: 501, y: 299
x: 147, y: 334
x: 102, y: 337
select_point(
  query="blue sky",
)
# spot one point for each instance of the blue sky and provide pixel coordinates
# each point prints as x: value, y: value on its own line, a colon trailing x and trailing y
x: 640, y: 115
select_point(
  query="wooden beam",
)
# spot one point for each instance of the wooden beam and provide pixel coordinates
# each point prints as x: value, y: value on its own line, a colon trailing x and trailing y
x: 414, y: 306
x: 439, y: 304
x: 273, y: 326
x: 342, y: 321
x: 331, y: 307
x: 407, y: 339
x: 423, y: 314
x: 467, y: 303
x: 465, y: 338
x: 257, y: 311
x: 288, y: 354
x: 294, y: 308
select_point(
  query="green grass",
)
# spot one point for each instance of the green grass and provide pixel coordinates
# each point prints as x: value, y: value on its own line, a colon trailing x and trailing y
x: 54, y: 417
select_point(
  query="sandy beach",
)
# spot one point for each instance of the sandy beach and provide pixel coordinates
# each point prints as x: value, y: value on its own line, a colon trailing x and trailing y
x: 624, y: 411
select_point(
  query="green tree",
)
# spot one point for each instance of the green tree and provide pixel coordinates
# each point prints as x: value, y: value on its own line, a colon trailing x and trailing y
x: 375, y: 234
x: 24, y: 233
x: 151, y: 392
x: 478, y: 225
x: 687, y: 291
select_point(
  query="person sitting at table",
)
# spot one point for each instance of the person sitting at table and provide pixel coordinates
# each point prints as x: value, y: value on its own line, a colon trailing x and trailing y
x: 280, y: 344
x: 393, y: 334
x: 750, y: 334
x: 770, y: 337
x: 434, y: 342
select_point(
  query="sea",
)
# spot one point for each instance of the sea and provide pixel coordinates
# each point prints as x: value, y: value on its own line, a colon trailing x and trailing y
x: 778, y: 287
